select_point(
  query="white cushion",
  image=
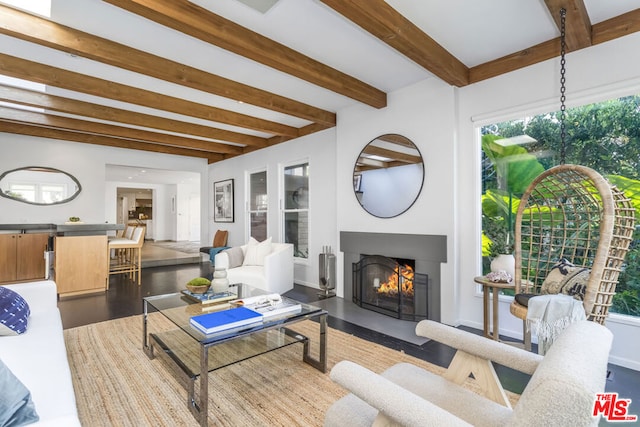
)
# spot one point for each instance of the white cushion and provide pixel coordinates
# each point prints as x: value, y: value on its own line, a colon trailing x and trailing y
x: 257, y: 252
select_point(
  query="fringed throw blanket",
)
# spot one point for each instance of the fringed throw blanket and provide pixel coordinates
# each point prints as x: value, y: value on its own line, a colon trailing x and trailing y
x: 550, y: 315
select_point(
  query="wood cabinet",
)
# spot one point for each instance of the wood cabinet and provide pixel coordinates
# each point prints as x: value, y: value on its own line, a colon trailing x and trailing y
x: 81, y: 264
x: 22, y: 257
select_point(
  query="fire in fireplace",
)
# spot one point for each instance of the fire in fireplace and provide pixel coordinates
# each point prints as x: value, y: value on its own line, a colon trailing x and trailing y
x: 400, y: 281
x: 390, y: 286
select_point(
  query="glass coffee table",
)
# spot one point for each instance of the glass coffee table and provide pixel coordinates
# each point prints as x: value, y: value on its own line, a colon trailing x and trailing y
x: 194, y: 353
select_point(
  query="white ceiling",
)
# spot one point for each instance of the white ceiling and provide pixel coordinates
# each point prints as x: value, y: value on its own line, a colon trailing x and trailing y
x: 475, y: 32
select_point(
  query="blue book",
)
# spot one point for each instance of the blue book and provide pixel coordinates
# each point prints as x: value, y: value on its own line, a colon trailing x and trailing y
x: 226, y: 319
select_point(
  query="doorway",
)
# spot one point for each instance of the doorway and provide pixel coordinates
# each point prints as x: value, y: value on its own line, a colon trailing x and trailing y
x: 135, y: 206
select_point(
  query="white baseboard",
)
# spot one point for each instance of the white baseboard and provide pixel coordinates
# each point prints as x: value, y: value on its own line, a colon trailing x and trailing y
x: 624, y: 362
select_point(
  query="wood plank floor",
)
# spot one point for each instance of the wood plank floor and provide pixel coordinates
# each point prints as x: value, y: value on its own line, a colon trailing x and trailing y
x: 124, y: 298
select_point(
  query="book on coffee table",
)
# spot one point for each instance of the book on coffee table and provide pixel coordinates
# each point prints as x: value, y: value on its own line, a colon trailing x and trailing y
x: 223, y: 320
x: 270, y: 305
x: 210, y: 297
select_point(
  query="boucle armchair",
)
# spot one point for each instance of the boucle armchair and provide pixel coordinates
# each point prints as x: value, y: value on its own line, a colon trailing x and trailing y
x: 561, y: 390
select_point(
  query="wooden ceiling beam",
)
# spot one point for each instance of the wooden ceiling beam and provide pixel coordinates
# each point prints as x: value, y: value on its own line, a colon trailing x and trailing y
x: 578, y: 24
x: 394, y: 138
x: 305, y: 130
x: 618, y: 26
x: 605, y: 31
x: 515, y: 61
x: 86, y: 138
x: 58, y: 77
x: 101, y: 112
x: 381, y: 20
x: 394, y: 155
x: 73, y: 124
x: 188, y: 18
x: 43, y: 32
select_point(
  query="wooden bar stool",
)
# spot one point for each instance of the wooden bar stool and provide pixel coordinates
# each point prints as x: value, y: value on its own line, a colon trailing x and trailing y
x: 128, y: 252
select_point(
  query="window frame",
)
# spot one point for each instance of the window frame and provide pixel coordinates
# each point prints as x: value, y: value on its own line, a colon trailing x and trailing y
x: 510, y: 115
x: 282, y: 167
x: 248, y: 210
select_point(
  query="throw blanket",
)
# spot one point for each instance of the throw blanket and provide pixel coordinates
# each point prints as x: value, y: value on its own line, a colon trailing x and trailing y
x: 551, y: 314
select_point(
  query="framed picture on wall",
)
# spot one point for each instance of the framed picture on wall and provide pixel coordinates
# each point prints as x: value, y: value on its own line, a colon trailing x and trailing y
x: 223, y: 199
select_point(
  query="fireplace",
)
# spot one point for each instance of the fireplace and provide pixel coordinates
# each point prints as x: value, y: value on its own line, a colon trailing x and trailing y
x: 428, y: 251
x: 390, y: 286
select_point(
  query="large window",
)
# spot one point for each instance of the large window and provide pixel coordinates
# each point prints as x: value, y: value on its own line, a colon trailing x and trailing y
x: 295, y: 209
x: 603, y: 136
x: 258, y: 205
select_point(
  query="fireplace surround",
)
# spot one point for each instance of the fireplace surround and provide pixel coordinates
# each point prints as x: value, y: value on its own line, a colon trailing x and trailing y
x: 428, y: 252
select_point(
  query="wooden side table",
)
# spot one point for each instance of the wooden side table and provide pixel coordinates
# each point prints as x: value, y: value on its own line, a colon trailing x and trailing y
x: 493, y: 287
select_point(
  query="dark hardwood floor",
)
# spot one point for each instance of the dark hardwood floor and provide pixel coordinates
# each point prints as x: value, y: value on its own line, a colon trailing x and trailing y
x: 124, y: 298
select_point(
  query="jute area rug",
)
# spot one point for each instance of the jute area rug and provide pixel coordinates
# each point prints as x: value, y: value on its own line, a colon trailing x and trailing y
x: 116, y: 384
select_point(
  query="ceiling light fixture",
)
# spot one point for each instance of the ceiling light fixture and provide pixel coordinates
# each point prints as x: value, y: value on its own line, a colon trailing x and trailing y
x: 261, y: 6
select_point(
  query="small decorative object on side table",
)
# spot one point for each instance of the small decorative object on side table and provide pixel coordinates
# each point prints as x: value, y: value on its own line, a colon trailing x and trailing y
x: 489, y: 285
x: 220, y: 283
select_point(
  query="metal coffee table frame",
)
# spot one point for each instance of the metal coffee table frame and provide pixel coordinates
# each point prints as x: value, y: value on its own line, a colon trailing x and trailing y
x: 198, y: 405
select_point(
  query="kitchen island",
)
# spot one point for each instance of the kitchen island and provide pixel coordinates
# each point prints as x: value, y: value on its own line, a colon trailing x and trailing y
x: 80, y: 261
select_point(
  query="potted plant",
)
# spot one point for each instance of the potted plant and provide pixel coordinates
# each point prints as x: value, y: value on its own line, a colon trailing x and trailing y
x: 501, y: 248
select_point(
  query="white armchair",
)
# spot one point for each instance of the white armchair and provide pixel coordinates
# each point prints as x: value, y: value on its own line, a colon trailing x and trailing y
x: 561, y: 390
x: 274, y: 276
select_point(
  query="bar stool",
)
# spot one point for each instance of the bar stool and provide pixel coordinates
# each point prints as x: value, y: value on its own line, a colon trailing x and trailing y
x: 128, y: 252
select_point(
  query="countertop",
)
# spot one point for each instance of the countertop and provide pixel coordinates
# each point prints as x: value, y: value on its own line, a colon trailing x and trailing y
x: 28, y: 227
x: 69, y: 229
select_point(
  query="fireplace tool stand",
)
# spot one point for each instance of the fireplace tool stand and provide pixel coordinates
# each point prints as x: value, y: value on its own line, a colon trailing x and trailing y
x: 327, y: 270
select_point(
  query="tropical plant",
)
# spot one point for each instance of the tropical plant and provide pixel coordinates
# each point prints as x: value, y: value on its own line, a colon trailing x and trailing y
x: 514, y: 170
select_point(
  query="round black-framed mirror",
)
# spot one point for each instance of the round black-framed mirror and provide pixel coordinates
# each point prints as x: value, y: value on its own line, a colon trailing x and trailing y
x: 39, y: 185
x: 388, y: 175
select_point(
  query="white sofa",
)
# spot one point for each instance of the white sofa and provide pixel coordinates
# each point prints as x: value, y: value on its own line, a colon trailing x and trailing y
x: 38, y: 357
x: 275, y: 276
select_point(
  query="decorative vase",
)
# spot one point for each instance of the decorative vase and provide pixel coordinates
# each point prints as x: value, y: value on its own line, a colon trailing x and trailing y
x: 504, y: 262
x: 220, y: 283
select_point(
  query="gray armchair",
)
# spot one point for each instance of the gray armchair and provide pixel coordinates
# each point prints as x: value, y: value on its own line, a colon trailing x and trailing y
x: 561, y: 390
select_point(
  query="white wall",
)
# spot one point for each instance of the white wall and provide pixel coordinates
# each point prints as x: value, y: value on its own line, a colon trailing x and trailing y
x: 424, y: 113
x: 87, y: 163
x: 320, y: 150
x: 601, y: 72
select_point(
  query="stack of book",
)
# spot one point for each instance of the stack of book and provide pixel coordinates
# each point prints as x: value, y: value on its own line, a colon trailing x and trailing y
x: 270, y: 305
x: 231, y: 320
x: 245, y: 313
x: 210, y: 297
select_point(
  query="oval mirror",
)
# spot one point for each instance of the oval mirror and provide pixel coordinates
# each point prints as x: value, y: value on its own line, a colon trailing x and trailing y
x: 39, y: 185
x: 388, y: 175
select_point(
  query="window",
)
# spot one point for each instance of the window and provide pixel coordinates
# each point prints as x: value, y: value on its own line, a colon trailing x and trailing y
x: 258, y: 205
x: 604, y: 136
x: 295, y: 209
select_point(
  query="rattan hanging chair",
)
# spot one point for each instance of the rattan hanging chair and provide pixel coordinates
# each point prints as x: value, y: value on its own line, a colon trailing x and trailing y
x: 571, y: 212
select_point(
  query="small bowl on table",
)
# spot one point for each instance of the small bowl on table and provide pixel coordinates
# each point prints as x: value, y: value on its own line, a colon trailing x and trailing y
x: 198, y: 289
